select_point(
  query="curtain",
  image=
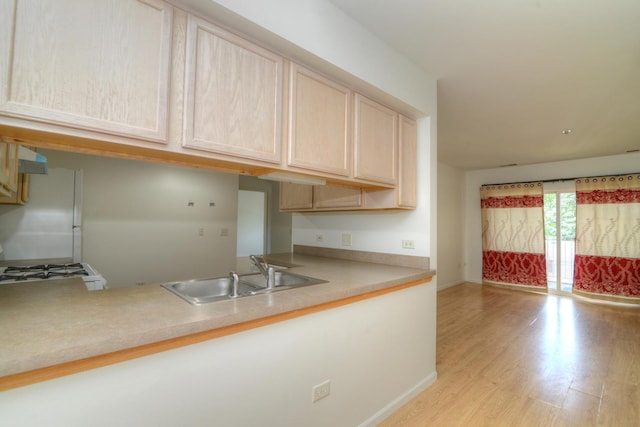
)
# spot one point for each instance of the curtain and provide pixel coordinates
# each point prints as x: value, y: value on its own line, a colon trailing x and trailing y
x: 513, y: 250
x: 607, y: 263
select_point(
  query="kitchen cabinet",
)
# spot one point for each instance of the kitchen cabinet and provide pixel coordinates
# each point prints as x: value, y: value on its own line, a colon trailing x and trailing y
x: 408, y: 170
x: 96, y: 64
x: 21, y: 195
x: 319, y: 123
x: 233, y: 102
x: 295, y: 197
x: 299, y: 198
x: 144, y: 80
x: 324, y: 198
x: 404, y: 196
x: 8, y: 169
x: 375, y: 141
x: 329, y: 197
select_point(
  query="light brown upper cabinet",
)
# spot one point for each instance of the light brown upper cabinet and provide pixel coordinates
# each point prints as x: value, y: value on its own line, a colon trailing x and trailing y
x: 92, y: 64
x: 309, y: 198
x: 375, y: 141
x: 319, y: 123
x: 408, y: 171
x: 8, y: 169
x: 328, y: 197
x: 233, y: 101
x: 295, y: 197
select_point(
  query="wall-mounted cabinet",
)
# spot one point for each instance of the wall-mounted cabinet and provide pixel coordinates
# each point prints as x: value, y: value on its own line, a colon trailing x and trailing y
x: 375, y: 139
x: 296, y: 197
x: 233, y: 102
x: 142, y: 79
x: 305, y: 198
x: 8, y: 169
x: 21, y: 195
x: 319, y: 123
x: 408, y: 169
x: 330, y: 198
x: 97, y: 65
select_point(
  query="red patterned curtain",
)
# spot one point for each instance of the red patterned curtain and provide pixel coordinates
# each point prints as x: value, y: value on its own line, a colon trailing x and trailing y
x: 513, y: 235
x: 607, y: 264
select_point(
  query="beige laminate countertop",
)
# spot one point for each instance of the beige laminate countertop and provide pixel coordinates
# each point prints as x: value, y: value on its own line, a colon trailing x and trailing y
x: 48, y: 323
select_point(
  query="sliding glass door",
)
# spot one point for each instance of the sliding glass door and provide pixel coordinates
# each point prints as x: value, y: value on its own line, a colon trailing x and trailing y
x: 560, y: 236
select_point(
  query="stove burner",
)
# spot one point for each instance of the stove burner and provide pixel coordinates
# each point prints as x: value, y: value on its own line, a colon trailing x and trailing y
x: 42, y: 271
x: 25, y: 268
x: 22, y: 276
x: 67, y: 272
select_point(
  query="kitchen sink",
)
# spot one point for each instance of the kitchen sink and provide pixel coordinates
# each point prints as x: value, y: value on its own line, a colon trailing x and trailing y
x: 202, y: 291
x: 283, y: 280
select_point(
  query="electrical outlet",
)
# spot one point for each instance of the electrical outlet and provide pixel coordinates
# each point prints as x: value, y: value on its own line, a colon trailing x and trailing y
x: 200, y: 231
x: 319, y: 237
x: 408, y: 244
x: 320, y: 391
x: 346, y: 239
x: 224, y: 232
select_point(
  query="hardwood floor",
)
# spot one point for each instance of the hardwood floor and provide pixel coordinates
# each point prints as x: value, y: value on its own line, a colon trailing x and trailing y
x: 511, y: 358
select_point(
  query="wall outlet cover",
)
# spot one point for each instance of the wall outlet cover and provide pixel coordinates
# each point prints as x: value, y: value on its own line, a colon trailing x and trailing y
x: 320, y: 391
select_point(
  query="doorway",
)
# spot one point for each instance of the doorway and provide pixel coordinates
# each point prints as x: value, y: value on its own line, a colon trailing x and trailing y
x: 252, y: 220
x: 560, y: 235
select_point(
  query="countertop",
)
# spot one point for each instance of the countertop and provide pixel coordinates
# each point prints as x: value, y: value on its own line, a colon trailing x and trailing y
x: 48, y: 323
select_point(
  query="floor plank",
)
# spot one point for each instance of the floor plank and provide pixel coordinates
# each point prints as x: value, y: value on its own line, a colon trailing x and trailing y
x: 511, y: 358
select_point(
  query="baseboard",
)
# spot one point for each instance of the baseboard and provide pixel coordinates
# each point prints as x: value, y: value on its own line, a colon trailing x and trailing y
x: 399, y: 402
x: 449, y: 285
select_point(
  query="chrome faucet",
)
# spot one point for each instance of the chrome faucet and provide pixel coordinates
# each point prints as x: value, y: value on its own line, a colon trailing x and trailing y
x: 259, y: 264
x: 267, y: 272
x: 233, y: 276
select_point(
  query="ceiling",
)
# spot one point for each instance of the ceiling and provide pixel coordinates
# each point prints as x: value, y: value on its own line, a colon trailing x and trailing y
x: 513, y: 74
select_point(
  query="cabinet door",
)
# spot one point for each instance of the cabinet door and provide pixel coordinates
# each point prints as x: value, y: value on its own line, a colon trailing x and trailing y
x: 407, y: 179
x: 319, y: 123
x: 375, y: 141
x: 295, y: 197
x: 8, y: 169
x: 326, y: 197
x: 93, y: 64
x: 21, y: 195
x: 234, y: 94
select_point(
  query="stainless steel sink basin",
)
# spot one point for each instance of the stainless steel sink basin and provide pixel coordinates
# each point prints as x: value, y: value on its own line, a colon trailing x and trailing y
x: 201, y: 291
x: 283, y: 280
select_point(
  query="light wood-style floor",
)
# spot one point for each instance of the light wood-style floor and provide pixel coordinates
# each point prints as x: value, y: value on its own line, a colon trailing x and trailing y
x: 511, y: 358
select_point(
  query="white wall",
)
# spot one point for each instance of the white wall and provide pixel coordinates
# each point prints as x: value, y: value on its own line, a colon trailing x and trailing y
x: 450, y: 226
x: 43, y: 227
x: 610, y: 165
x: 251, y: 227
x: 376, y: 353
x: 137, y: 225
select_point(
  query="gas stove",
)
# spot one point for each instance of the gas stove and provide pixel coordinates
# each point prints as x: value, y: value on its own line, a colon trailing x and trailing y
x: 29, y: 273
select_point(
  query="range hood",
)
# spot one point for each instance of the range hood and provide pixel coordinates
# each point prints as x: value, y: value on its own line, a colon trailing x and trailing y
x: 31, y: 162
